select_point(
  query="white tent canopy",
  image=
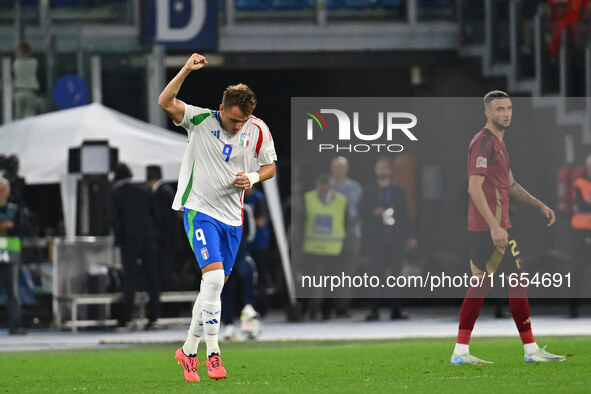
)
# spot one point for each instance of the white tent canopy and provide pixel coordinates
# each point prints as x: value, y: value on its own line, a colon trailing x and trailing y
x: 41, y: 143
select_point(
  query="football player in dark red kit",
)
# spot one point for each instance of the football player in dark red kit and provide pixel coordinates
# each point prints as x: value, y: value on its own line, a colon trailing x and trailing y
x: 493, y: 250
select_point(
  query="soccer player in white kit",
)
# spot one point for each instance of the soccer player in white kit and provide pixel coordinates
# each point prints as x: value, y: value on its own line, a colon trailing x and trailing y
x: 222, y: 147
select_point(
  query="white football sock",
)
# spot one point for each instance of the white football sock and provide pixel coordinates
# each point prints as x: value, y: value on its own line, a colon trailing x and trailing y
x: 461, y: 349
x: 195, y: 329
x: 211, y: 306
x: 530, y: 348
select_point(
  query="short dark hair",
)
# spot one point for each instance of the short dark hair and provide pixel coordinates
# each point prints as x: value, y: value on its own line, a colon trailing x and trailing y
x: 241, y: 96
x: 493, y: 95
x: 25, y: 48
x: 122, y: 171
x: 153, y: 172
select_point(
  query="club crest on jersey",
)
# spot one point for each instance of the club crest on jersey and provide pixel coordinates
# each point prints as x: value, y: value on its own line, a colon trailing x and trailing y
x: 204, y: 253
x: 481, y: 162
x: 244, y: 140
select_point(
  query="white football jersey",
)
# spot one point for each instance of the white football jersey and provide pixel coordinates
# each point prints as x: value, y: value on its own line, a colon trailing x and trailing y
x: 212, y: 160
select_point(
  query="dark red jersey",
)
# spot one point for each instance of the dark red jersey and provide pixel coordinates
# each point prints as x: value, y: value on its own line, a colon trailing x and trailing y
x: 487, y: 156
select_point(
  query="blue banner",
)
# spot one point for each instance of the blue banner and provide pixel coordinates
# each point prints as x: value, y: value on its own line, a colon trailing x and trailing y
x: 181, y: 24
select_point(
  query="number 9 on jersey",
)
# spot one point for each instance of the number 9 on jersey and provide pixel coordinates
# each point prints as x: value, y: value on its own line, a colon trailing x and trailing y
x: 200, y: 236
x: 227, y: 151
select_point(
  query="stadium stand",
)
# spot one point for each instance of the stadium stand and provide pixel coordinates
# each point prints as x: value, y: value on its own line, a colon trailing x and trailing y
x: 291, y: 4
x: 251, y: 5
x: 361, y: 4
x: 334, y: 4
x: 391, y: 3
x: 507, y: 41
x: 435, y: 4
x: 66, y: 3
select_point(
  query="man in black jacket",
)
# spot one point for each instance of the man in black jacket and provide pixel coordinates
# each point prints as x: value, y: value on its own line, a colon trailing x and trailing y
x: 134, y: 219
x: 11, y: 231
x: 386, y: 227
x: 171, y: 237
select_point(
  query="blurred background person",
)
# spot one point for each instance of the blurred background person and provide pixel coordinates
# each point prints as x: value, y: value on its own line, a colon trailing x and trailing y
x: 26, y: 83
x: 386, y: 228
x: 324, y: 236
x: 11, y: 231
x: 169, y: 228
x: 564, y: 16
x: 259, y: 248
x: 581, y: 223
x: 339, y: 171
x: 567, y: 16
x: 245, y: 278
x: 134, y: 220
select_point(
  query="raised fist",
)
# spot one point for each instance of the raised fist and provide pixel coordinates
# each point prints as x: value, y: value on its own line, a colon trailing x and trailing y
x: 195, y: 62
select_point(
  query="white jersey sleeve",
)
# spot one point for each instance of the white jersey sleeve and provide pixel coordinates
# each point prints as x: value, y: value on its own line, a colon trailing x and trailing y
x: 265, y: 148
x: 192, y: 117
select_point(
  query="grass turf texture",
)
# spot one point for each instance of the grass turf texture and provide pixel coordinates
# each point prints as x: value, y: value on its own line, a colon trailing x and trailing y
x: 417, y: 365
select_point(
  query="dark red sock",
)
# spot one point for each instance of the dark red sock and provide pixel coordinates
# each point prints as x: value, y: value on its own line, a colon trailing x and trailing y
x: 519, y: 305
x: 470, y: 310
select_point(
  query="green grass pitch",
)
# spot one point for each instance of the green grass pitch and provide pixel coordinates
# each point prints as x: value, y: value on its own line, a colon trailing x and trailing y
x: 414, y: 365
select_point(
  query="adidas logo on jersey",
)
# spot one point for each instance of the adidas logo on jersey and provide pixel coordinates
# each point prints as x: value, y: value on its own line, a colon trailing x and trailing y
x: 216, y: 133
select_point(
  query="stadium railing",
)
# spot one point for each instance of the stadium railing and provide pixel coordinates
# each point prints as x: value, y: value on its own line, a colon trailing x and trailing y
x: 72, y: 301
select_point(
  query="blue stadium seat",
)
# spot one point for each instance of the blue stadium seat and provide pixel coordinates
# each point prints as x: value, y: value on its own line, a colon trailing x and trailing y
x: 390, y: 3
x: 435, y: 4
x: 330, y: 4
x: 251, y: 5
x: 361, y: 4
x: 334, y: 4
x: 65, y: 3
x: 291, y: 4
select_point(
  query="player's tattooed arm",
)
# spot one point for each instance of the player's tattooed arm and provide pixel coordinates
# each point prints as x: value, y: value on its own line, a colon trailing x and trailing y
x: 518, y: 192
x: 167, y: 101
x: 173, y: 107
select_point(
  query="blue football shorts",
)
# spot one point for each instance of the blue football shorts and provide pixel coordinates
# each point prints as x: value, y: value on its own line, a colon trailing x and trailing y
x: 211, y: 240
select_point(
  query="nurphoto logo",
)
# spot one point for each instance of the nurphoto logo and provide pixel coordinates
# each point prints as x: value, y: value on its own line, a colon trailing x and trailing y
x: 389, y: 124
